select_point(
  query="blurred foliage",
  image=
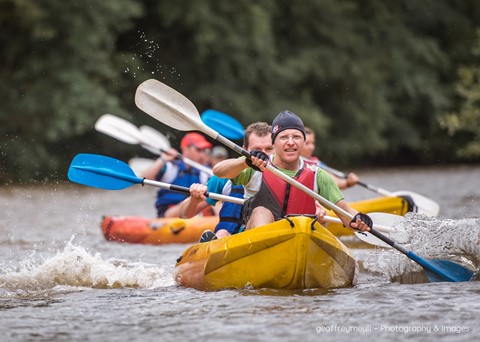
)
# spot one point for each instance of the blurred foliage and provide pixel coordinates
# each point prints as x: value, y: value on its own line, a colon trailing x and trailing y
x: 372, y: 78
x: 467, y: 120
x: 59, y: 69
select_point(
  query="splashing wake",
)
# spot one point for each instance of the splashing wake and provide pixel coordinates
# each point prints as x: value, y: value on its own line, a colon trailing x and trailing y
x: 75, y: 266
x: 431, y: 238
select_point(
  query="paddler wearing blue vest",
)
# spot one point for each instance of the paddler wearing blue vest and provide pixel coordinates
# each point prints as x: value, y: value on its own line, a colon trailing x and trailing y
x: 169, y: 169
x: 270, y: 198
x: 257, y: 136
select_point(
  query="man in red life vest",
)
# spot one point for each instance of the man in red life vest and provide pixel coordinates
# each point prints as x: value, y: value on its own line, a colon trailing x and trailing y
x: 269, y: 198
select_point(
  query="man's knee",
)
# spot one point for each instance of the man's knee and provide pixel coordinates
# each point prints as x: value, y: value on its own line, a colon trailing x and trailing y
x: 260, y: 216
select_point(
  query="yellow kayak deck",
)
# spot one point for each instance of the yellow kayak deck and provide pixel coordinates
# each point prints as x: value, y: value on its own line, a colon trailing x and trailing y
x: 293, y: 253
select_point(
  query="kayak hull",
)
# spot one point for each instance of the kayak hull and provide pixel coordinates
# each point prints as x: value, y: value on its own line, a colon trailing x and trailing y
x: 158, y: 231
x: 293, y: 253
x: 133, y: 229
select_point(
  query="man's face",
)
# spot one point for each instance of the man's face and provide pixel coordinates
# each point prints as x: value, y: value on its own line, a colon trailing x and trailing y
x: 263, y: 144
x: 288, y: 145
x: 196, y: 154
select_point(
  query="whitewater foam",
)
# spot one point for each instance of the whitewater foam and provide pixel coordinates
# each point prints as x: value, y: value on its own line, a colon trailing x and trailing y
x: 75, y: 266
x: 430, y: 238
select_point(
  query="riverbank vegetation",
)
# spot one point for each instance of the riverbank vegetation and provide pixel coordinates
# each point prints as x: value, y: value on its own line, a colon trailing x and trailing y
x: 381, y: 82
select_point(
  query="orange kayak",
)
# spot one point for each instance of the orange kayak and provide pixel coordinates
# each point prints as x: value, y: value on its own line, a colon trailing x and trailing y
x: 134, y: 229
x: 159, y: 231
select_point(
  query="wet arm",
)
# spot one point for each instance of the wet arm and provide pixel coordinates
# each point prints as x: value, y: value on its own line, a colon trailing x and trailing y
x: 191, y: 207
x: 153, y: 170
x: 229, y: 168
x: 193, y: 204
x: 157, y: 166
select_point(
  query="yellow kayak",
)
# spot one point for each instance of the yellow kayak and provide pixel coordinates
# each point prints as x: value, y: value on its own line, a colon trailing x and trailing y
x: 292, y: 253
x: 389, y: 205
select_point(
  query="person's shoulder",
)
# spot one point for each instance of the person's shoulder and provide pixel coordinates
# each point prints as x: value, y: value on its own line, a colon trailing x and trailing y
x: 215, y: 182
x: 321, y: 174
x: 244, y: 177
x: 215, y: 185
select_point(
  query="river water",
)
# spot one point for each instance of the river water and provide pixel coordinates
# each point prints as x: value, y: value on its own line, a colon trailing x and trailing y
x: 61, y: 281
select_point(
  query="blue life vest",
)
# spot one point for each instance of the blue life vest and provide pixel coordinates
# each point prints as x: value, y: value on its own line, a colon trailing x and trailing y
x: 231, y: 218
x: 184, y: 177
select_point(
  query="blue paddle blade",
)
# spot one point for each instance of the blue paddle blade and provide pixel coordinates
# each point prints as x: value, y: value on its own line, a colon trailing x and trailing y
x: 224, y: 124
x: 453, y: 271
x: 101, y: 172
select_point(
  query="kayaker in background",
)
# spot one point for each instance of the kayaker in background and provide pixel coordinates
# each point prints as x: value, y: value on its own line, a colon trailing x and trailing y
x: 307, y: 153
x: 270, y: 198
x: 257, y: 137
x: 167, y: 169
x: 218, y: 154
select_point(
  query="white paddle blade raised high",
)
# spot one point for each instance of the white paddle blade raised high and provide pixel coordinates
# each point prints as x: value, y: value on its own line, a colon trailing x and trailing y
x: 173, y: 109
x: 155, y: 138
x: 156, y: 99
x: 140, y: 165
x: 118, y: 128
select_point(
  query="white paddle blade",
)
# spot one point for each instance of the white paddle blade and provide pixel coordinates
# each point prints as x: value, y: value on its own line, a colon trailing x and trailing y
x: 397, y: 229
x: 424, y: 205
x: 382, y: 222
x: 370, y: 239
x: 140, y: 165
x: 365, y: 237
x: 154, y: 138
x: 170, y: 107
x: 118, y: 128
x: 152, y: 149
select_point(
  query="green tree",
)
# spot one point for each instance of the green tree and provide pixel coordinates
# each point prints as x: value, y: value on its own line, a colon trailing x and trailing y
x: 371, y: 77
x: 467, y: 119
x: 59, y: 72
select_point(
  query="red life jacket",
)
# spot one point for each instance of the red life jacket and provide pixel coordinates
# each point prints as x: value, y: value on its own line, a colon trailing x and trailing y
x: 282, y: 198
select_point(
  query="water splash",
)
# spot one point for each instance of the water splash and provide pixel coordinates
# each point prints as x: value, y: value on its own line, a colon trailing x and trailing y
x: 431, y: 238
x: 149, y: 55
x: 435, y: 238
x: 75, y: 266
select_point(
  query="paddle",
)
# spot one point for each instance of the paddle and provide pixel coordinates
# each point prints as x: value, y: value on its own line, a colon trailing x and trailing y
x: 140, y: 165
x: 232, y: 129
x: 423, y: 204
x: 229, y: 127
x: 224, y: 123
x: 113, y: 174
x: 149, y: 138
x: 175, y: 110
